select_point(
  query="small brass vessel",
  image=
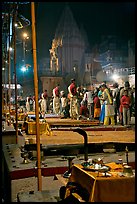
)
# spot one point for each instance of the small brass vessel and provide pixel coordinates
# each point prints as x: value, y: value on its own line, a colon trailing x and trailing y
x: 127, y: 170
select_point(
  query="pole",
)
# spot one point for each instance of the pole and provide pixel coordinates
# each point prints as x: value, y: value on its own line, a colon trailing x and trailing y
x: 126, y: 155
x: 15, y: 76
x: 92, y: 69
x: 3, y: 99
x: 24, y: 50
x: 36, y: 95
x: 24, y: 57
x: 9, y: 79
x: 5, y: 76
x: 5, y: 85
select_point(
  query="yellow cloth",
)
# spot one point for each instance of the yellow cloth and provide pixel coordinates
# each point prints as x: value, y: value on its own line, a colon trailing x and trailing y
x: 106, y: 120
x: 43, y: 128
x: 107, y: 97
x: 104, y: 189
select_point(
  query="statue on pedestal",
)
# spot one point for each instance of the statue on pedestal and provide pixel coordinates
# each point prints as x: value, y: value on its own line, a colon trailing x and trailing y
x: 54, y: 65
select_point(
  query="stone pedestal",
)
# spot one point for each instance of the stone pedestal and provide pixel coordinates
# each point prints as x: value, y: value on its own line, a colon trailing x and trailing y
x: 50, y: 83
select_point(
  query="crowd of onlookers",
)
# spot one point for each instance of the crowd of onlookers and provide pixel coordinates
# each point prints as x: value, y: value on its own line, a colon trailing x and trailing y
x: 110, y: 106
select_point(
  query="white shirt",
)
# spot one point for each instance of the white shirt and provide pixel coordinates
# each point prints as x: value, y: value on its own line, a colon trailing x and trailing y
x: 63, y: 102
x: 88, y: 96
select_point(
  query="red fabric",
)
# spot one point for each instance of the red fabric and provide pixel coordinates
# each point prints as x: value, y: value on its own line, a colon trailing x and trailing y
x: 84, y: 111
x: 73, y: 89
x: 121, y: 108
x: 97, y: 102
x: 56, y: 91
x: 125, y: 101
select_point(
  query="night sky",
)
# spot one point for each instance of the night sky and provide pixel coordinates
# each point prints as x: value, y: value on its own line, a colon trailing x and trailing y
x: 97, y: 18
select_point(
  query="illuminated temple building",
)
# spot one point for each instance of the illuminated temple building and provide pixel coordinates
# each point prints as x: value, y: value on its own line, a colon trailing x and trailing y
x: 70, y: 54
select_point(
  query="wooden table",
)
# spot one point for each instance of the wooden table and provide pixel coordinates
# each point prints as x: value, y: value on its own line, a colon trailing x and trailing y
x: 102, y: 188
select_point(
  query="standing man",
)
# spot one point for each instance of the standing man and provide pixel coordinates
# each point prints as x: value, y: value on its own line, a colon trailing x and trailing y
x: 31, y: 102
x: 27, y: 105
x: 130, y: 94
x: 43, y: 105
x: 116, y: 101
x: 89, y: 96
x: 45, y: 96
x: 56, y: 100
x: 72, y: 89
x: 126, y: 102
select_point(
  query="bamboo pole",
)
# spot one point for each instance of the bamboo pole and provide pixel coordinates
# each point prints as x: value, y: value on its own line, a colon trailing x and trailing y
x: 4, y: 84
x: 36, y: 95
x: 9, y: 70
x: 4, y: 66
x: 15, y: 75
x: 5, y: 81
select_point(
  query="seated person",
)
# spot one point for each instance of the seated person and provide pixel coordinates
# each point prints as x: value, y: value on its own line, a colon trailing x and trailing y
x: 84, y: 112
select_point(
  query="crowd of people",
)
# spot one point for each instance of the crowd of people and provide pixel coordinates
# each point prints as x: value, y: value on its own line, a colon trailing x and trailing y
x: 109, y: 106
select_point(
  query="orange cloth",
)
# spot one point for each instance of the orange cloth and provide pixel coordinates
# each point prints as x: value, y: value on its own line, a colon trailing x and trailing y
x: 97, y: 112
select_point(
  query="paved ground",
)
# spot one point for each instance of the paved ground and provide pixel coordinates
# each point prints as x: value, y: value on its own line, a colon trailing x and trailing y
x: 70, y: 137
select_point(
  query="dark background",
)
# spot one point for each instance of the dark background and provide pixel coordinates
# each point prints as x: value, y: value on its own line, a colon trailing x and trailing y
x: 97, y: 18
